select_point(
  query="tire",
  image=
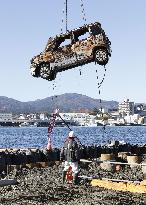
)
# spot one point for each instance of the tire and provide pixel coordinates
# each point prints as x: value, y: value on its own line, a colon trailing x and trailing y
x: 45, y: 71
x: 52, y: 76
x: 101, y: 56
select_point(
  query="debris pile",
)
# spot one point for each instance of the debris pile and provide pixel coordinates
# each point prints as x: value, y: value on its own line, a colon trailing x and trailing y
x: 44, y: 187
x: 27, y: 156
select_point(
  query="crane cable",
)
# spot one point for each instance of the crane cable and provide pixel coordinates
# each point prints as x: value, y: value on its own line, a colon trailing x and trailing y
x: 65, y: 11
x: 83, y: 11
x: 65, y: 19
x: 66, y: 14
x: 84, y: 19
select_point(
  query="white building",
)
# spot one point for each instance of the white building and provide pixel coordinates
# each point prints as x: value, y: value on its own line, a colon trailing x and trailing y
x: 126, y: 108
x: 5, y: 117
x: 22, y: 117
x: 81, y: 118
x: 43, y: 116
x: 136, y: 119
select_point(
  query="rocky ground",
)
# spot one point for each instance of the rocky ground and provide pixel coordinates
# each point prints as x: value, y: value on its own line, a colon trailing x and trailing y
x: 43, y: 187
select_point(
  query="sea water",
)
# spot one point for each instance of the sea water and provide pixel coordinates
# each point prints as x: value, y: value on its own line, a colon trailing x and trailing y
x: 37, y: 137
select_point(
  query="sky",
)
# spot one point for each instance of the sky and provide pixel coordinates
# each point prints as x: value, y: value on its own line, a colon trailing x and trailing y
x: 25, y: 27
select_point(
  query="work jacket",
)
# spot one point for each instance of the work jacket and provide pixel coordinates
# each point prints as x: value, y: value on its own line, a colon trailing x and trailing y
x: 70, y: 151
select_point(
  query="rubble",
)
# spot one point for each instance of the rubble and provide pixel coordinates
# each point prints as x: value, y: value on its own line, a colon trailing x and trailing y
x: 44, y: 187
x: 34, y: 155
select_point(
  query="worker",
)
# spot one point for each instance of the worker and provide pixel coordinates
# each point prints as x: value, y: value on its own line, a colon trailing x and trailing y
x: 71, y: 154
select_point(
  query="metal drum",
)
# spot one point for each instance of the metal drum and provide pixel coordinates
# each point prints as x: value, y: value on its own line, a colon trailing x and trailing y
x: 107, y: 166
x: 123, y: 156
x: 134, y: 159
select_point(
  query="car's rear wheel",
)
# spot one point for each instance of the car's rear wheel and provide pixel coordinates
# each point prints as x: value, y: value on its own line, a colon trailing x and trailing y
x: 101, y: 56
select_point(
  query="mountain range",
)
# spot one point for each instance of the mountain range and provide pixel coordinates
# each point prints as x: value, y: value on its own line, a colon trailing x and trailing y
x: 68, y: 102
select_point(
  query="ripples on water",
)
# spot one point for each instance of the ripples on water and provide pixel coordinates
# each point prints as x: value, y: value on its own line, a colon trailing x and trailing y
x: 37, y: 137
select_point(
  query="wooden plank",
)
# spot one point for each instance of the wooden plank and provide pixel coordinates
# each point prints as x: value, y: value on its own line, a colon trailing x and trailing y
x: 108, y: 179
x: 112, y: 162
x: 121, y: 180
x: 86, y: 160
x: 85, y: 177
x: 125, y: 163
x: 119, y: 186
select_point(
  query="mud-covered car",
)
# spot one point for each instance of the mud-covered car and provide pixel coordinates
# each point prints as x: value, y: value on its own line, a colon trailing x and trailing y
x: 85, y: 44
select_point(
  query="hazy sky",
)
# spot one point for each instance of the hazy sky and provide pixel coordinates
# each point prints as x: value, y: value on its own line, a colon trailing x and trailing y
x: 25, y: 27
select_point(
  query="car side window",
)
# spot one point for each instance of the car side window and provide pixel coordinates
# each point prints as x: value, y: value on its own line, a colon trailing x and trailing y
x: 64, y: 41
x: 84, y: 36
x: 80, y: 35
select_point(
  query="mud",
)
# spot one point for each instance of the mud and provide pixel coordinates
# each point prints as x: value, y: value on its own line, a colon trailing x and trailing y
x: 44, y: 187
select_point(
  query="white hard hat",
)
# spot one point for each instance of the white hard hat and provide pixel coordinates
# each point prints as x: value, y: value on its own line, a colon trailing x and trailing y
x: 71, y: 134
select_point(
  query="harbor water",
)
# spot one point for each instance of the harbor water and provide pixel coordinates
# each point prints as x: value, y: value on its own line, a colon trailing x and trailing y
x: 36, y: 137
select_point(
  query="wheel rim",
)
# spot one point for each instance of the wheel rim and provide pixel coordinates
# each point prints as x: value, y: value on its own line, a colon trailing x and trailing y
x: 101, y: 56
x: 44, y: 71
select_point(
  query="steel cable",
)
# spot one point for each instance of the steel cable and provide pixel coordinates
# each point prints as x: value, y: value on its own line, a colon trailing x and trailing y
x: 83, y: 11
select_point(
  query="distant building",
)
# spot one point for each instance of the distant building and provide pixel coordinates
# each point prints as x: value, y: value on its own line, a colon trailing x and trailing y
x: 126, y: 108
x: 114, y: 115
x: 5, y: 117
x: 22, y: 117
x: 103, y: 110
x: 81, y: 118
x: 43, y: 116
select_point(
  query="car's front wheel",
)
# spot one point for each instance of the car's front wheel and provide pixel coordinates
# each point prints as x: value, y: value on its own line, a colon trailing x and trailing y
x: 101, y: 56
x: 46, y: 72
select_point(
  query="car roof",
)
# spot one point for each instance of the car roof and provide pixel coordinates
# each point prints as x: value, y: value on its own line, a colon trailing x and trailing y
x: 79, y: 31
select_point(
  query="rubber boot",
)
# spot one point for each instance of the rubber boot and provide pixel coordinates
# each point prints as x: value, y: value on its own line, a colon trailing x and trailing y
x: 63, y: 176
x: 75, y: 179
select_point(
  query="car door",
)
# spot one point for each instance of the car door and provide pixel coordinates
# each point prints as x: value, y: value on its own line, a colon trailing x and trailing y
x: 63, y: 53
x: 82, y: 45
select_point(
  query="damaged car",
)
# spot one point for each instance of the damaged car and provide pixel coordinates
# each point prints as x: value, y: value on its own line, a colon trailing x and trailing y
x: 74, y: 48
